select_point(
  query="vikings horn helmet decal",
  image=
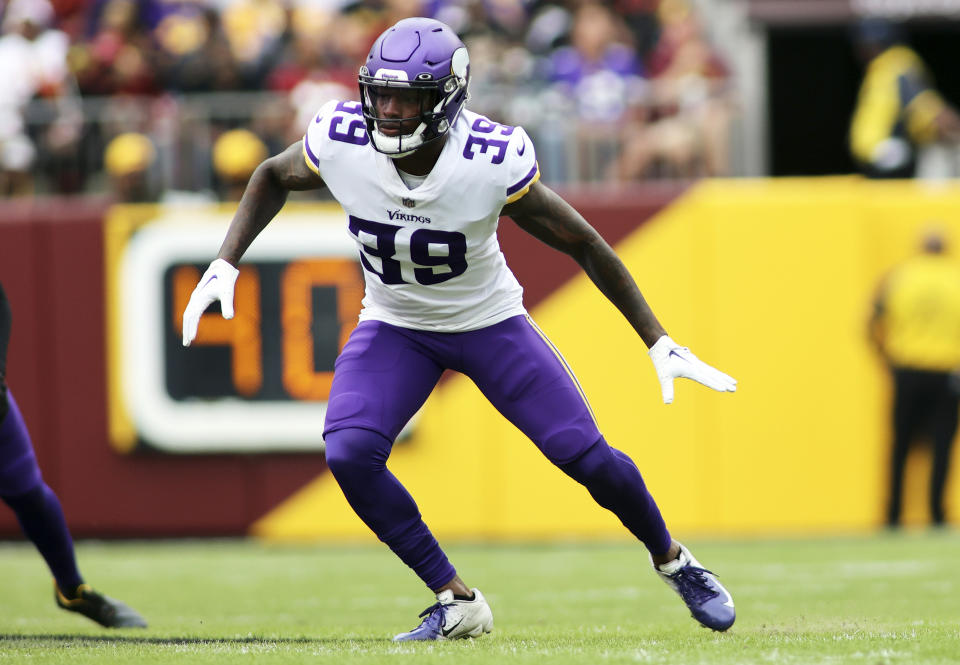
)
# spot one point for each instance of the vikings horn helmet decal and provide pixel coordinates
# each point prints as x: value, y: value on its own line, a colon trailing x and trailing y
x: 427, y: 57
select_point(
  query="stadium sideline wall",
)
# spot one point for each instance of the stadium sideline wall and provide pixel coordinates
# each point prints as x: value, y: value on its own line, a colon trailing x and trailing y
x: 769, y: 279
x: 52, y: 266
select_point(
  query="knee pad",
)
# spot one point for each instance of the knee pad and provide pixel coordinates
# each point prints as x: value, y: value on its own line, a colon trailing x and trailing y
x: 600, y: 461
x: 587, y: 462
x: 355, y: 449
x: 30, y: 501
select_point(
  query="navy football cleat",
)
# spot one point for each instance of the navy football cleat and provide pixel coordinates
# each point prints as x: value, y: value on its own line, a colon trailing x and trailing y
x: 450, y: 619
x: 708, y: 601
x: 105, y: 611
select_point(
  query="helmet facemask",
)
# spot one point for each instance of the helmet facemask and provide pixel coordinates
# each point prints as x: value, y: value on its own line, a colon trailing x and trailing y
x: 430, y: 121
x: 419, y: 57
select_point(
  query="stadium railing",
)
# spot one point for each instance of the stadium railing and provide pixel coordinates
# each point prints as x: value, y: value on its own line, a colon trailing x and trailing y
x: 183, y: 129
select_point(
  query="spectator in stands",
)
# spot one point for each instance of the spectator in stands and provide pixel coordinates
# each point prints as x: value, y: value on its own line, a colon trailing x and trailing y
x: 118, y: 57
x: 641, y: 17
x: 898, y: 110
x: 686, y: 133
x: 592, y: 56
x: 33, y: 63
x: 323, y: 51
x: 254, y: 30
x: 599, y: 69
x: 194, y: 54
x: 306, y: 71
x: 303, y: 47
x: 236, y: 154
x: 916, y: 328
x: 598, y: 78
x: 128, y: 161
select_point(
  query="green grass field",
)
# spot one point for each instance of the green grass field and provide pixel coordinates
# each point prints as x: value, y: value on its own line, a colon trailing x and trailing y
x: 884, y: 599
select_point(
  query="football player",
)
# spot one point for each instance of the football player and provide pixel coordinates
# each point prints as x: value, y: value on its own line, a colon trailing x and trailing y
x: 423, y: 182
x: 38, y: 509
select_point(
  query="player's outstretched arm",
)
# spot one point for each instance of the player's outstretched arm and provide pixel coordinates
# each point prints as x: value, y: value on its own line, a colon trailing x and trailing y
x: 545, y: 215
x: 263, y: 198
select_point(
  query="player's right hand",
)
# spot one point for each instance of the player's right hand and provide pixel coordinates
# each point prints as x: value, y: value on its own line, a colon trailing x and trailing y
x: 217, y: 283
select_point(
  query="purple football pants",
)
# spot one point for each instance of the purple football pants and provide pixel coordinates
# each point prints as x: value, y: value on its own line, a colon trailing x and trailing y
x: 385, y: 374
x: 19, y: 472
x: 37, y: 508
x: 21, y: 485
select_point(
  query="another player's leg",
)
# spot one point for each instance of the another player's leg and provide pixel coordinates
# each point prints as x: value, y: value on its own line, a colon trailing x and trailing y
x: 907, y: 410
x: 523, y: 375
x: 41, y: 517
x: 382, y: 378
x: 108, y: 612
x: 945, y: 420
x: 36, y: 507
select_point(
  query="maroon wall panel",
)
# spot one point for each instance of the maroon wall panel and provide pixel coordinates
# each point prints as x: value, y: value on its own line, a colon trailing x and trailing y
x: 51, y: 265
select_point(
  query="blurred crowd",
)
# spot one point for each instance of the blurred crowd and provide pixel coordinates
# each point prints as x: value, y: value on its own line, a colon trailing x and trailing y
x: 611, y: 90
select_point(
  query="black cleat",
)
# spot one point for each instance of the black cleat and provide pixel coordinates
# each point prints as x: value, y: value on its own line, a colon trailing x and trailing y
x: 102, y: 609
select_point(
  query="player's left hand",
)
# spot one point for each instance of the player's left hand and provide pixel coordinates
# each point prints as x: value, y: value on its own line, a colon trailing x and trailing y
x: 216, y: 284
x: 673, y: 361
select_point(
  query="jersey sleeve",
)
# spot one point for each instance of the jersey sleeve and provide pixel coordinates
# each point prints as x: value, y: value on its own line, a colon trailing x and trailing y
x: 522, y: 167
x: 315, y: 137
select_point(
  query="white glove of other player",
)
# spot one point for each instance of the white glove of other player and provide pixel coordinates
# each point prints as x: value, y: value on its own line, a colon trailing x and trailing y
x: 216, y: 284
x: 674, y: 361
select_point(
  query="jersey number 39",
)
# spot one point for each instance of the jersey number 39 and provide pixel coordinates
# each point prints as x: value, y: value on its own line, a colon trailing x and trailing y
x: 379, y: 241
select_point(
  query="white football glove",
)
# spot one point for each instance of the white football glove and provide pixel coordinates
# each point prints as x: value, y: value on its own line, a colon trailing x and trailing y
x: 216, y: 284
x: 674, y: 361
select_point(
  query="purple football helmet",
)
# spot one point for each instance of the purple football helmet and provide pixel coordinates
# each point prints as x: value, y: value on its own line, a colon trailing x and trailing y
x: 423, y: 55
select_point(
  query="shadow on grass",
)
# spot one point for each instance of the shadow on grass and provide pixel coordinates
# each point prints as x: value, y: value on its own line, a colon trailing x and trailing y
x: 64, y: 640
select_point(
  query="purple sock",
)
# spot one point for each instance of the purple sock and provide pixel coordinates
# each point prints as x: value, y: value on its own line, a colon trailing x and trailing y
x: 614, y: 482
x: 358, y: 460
x: 42, y: 521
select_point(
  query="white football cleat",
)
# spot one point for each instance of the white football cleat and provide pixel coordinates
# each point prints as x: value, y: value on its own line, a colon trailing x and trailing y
x: 451, y: 619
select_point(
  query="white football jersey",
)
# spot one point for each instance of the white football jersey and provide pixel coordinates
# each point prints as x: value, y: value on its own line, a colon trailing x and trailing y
x: 430, y: 255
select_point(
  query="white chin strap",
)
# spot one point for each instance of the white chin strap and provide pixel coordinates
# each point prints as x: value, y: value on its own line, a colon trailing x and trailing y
x: 390, y: 145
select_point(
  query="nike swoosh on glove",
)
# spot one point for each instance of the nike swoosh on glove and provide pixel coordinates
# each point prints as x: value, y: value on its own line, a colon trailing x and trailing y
x: 217, y: 283
x: 673, y: 361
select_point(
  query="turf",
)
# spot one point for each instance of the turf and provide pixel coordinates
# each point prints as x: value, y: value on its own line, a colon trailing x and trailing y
x: 877, y: 600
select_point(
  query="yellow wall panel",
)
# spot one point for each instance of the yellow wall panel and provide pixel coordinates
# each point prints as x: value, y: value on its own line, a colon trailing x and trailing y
x: 771, y: 281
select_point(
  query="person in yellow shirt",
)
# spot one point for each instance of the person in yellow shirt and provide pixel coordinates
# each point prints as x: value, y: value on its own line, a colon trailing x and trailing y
x: 897, y: 110
x: 236, y: 154
x: 129, y: 161
x: 916, y: 327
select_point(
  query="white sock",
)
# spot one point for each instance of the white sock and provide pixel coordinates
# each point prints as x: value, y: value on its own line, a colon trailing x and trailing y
x: 670, y: 567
